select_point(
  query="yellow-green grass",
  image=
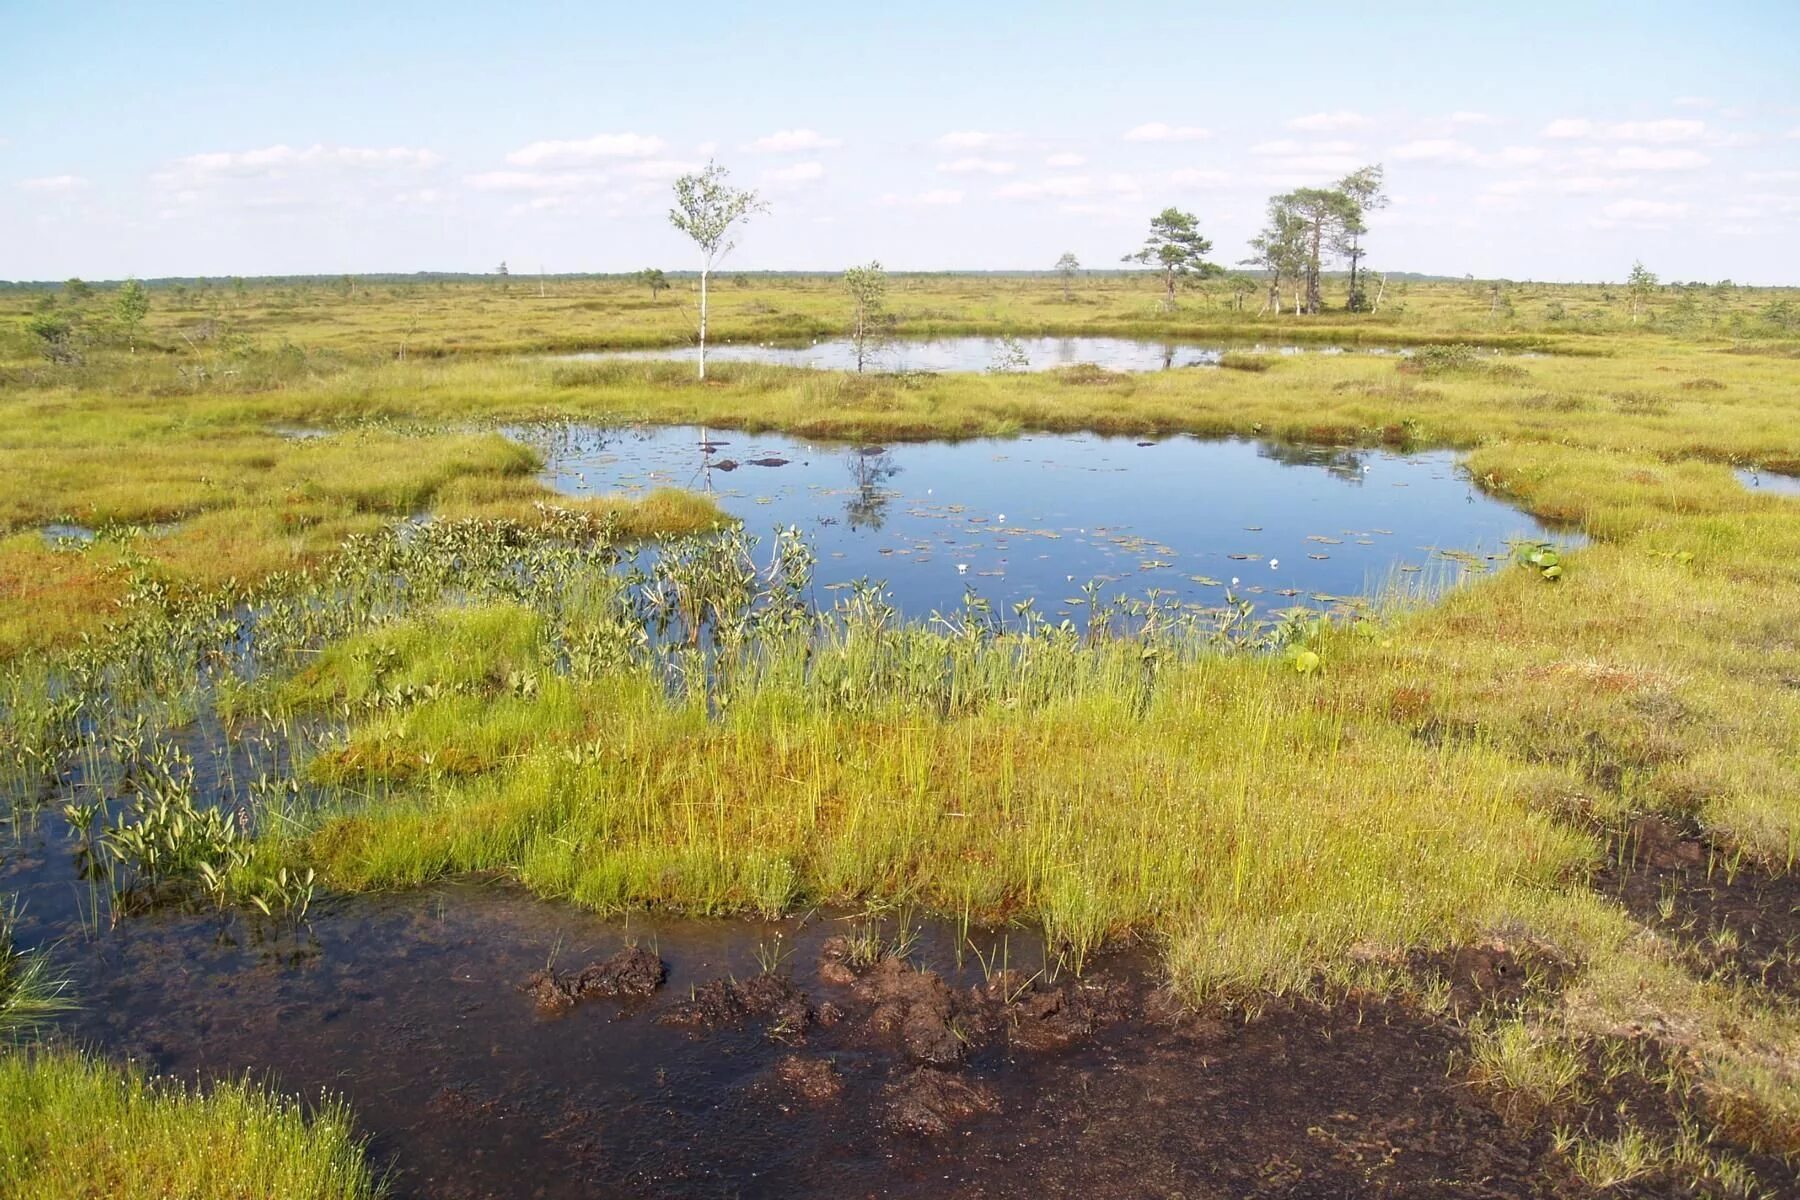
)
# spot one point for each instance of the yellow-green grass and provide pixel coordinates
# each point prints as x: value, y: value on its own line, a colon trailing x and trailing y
x: 406, y: 319
x: 1450, y: 773
x: 1231, y: 793
x: 75, y: 1128
x: 661, y: 512
x: 205, y: 498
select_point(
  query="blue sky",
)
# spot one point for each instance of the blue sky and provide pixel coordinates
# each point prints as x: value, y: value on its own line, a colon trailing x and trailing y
x: 1552, y: 141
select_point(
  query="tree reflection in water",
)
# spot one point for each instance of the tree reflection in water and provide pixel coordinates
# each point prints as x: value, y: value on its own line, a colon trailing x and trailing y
x: 870, y: 468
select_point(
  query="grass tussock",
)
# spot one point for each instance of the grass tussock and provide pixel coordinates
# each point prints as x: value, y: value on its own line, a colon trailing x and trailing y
x: 834, y: 776
x: 73, y: 1128
x: 664, y: 512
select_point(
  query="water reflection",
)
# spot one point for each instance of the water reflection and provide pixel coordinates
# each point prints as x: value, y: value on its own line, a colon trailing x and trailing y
x: 1036, y: 517
x: 977, y: 354
x: 867, y: 506
x: 1769, y: 481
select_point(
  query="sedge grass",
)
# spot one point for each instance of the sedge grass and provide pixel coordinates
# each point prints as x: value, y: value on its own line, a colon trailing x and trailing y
x: 75, y: 1128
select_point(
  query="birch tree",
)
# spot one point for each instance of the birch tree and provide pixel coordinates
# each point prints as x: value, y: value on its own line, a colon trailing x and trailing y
x: 708, y: 209
x: 867, y: 286
x: 130, y: 307
x: 1067, y: 266
x: 1640, y: 284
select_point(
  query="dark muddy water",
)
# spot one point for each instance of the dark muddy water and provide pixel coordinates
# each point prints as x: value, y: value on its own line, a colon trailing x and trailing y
x: 1038, y: 516
x: 973, y: 354
x: 410, y: 1006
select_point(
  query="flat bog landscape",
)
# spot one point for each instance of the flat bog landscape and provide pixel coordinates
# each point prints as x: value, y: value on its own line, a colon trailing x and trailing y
x: 1280, y: 701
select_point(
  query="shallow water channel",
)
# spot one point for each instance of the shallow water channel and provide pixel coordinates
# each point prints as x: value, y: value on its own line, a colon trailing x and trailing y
x: 972, y: 353
x: 1039, y: 516
x: 1770, y: 482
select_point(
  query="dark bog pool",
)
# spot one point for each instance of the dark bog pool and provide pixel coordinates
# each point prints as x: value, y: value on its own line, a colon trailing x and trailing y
x: 1038, y: 516
x: 970, y: 354
x: 947, y: 1072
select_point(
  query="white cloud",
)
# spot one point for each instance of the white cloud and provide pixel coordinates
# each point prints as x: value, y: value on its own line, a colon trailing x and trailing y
x: 972, y: 165
x: 658, y: 170
x: 1292, y: 158
x: 1641, y: 214
x: 934, y: 198
x: 587, y: 150
x: 794, y: 175
x: 1569, y: 127
x: 1587, y: 185
x: 1702, y: 102
x: 1667, y: 130
x: 1330, y: 122
x: 278, y: 160
x: 1064, y: 161
x: 794, y: 141
x: 1438, y: 150
x: 1071, y: 187
x: 1159, y: 131
x: 1287, y: 148
x: 534, y: 181
x: 1193, y: 177
x: 1451, y: 151
x: 54, y: 183
x: 1464, y: 117
x: 1784, y: 176
x: 969, y: 139
x: 1637, y: 158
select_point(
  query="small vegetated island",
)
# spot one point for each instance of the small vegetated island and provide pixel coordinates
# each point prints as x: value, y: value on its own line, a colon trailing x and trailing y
x: 385, y: 809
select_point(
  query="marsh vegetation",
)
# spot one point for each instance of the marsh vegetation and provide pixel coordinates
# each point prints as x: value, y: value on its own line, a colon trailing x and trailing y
x: 374, y: 705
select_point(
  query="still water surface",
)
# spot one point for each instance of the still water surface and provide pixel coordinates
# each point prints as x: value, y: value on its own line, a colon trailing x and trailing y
x: 974, y: 354
x: 1038, y: 516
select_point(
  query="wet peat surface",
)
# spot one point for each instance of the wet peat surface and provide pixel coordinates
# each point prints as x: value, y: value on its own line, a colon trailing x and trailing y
x: 1037, y: 517
x: 1733, y: 919
x: 494, y: 1045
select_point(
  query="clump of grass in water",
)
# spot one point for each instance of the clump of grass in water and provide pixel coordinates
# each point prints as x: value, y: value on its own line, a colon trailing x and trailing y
x: 75, y: 1126
x: 31, y: 995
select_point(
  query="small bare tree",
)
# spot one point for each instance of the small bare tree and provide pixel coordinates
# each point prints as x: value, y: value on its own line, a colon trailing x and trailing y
x: 1640, y: 284
x: 1067, y: 266
x: 867, y: 286
x: 706, y: 209
x: 130, y: 307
